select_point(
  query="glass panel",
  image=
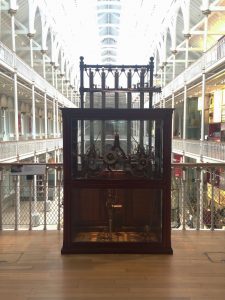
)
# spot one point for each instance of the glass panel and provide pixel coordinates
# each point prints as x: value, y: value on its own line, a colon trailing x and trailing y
x: 117, y: 149
x: 116, y: 215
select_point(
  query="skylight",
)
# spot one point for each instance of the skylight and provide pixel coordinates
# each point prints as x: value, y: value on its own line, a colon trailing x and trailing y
x: 92, y: 27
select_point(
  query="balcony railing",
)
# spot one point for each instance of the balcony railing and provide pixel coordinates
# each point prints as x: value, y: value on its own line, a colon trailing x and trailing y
x: 208, y: 59
x: 36, y: 202
x: 12, y: 151
x: 10, y: 60
x: 207, y: 149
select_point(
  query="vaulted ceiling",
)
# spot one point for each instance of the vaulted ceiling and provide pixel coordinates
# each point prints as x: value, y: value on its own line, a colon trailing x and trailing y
x: 122, y: 26
x: 108, y: 18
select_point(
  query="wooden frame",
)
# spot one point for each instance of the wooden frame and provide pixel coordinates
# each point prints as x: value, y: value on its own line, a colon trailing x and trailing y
x: 148, y: 187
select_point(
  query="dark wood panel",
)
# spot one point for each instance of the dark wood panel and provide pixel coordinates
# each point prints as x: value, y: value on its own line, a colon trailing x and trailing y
x: 138, y: 205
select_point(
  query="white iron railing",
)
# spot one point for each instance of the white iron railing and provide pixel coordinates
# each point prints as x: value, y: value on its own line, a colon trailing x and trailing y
x: 36, y: 202
x: 14, y: 150
x: 207, y: 149
x: 213, y: 56
x: 13, y: 62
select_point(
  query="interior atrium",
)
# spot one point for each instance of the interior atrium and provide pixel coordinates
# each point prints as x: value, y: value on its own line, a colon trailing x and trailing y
x: 40, y: 66
x: 112, y: 140
x: 41, y: 43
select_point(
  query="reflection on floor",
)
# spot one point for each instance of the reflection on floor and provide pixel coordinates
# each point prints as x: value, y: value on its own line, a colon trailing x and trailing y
x: 33, y: 268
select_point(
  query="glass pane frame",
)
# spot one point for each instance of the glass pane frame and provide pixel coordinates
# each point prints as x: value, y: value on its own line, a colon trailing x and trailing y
x: 106, y: 149
x: 116, y: 215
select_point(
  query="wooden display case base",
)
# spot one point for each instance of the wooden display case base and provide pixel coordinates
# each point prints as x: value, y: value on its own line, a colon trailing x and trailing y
x: 115, y: 248
x: 115, y: 237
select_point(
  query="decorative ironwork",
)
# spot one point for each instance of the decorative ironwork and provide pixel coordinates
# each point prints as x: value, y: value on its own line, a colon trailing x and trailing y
x: 142, y: 85
x: 141, y: 163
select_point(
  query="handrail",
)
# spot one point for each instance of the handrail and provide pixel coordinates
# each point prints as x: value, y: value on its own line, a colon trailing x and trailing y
x: 12, y: 150
x: 173, y: 165
x: 208, y: 59
x: 29, y: 74
x: 197, y: 196
x: 207, y: 149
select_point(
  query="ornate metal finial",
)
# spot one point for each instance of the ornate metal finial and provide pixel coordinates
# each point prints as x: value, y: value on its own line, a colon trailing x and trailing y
x: 12, y: 11
x: 81, y: 61
x: 151, y: 63
x: 43, y: 51
x: 206, y: 12
x: 187, y: 35
x: 174, y: 51
x: 31, y: 35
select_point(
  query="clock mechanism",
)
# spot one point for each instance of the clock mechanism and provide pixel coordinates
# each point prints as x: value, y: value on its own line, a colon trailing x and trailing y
x: 140, y: 163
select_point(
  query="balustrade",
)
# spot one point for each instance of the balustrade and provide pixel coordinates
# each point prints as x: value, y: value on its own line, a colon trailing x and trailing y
x: 36, y: 202
x: 212, y: 56
x: 13, y: 61
x: 210, y: 150
x: 11, y: 151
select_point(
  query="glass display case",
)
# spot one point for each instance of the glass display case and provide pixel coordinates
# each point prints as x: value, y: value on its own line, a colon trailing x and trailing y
x: 117, y: 180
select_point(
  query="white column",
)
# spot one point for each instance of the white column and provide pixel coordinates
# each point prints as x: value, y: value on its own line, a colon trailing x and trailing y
x: 46, y: 115
x: 164, y: 74
x: 56, y: 76
x: 62, y: 82
x: 71, y: 94
x: 35, y: 214
x: 31, y: 54
x: 30, y: 36
x: 33, y: 113
x: 203, y: 106
x: 199, y: 192
x: 187, y: 36
x: 185, y: 111
x: 179, y: 125
x: 10, y: 117
x: 205, y: 13
x: 26, y: 126
x: 43, y: 52
x: 161, y: 76
x: 12, y: 13
x: 163, y: 102
x: 174, y: 52
x: 49, y: 124
x: 53, y: 76
x: 3, y: 121
x: 16, y: 130
x: 35, y: 185
x: 40, y: 125
x: 205, y: 5
x: 54, y: 118
x: 22, y: 117
x: 17, y: 201
x: 57, y: 117
x: 173, y: 114
x: 67, y: 94
x: 201, y: 199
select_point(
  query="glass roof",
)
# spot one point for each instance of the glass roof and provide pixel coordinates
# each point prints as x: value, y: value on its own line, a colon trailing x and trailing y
x: 110, y: 31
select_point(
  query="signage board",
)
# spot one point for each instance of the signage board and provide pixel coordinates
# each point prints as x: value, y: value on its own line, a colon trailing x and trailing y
x: 28, y: 169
